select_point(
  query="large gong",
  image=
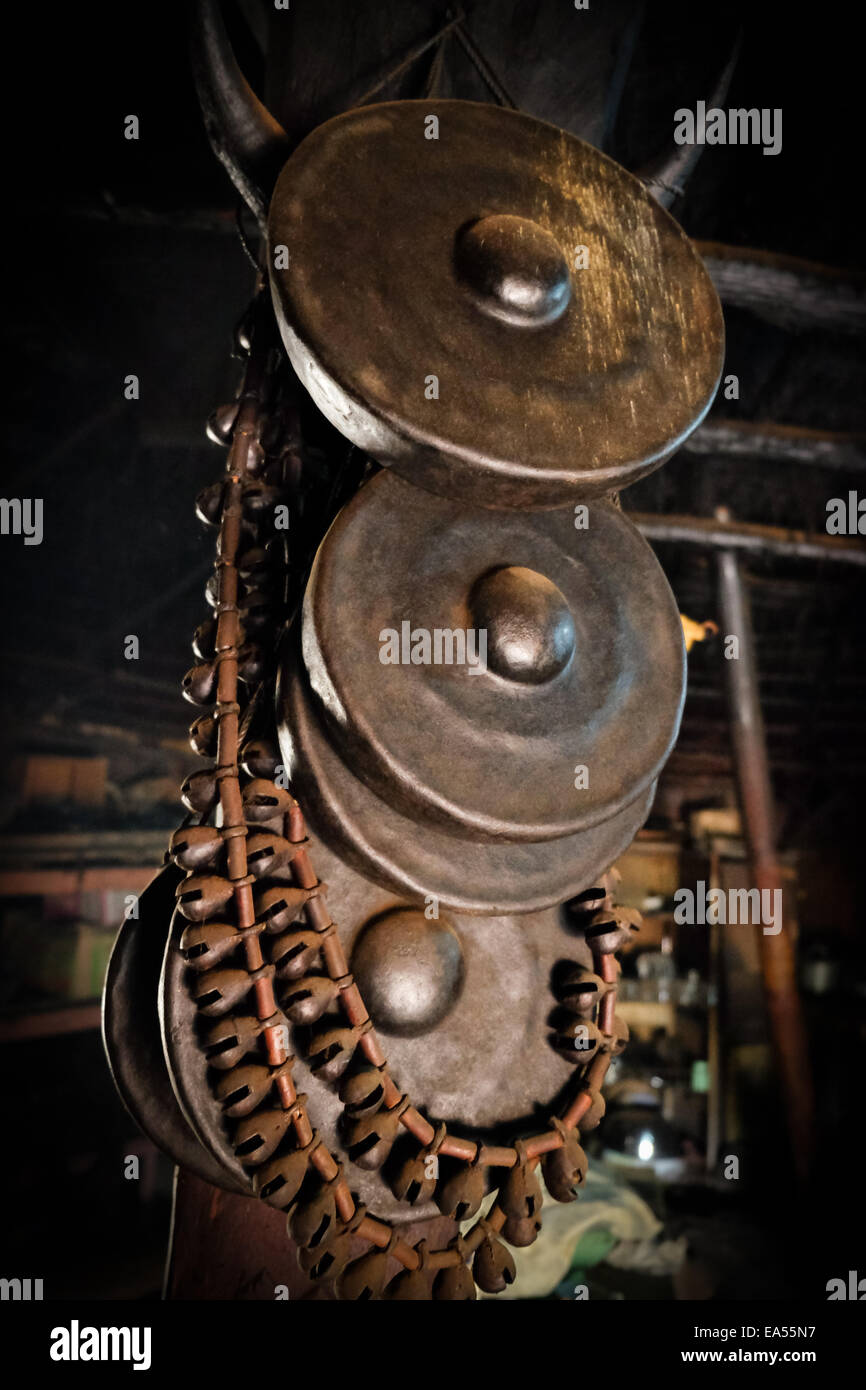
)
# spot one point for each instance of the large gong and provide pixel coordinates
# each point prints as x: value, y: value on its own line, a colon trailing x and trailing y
x: 488, y: 305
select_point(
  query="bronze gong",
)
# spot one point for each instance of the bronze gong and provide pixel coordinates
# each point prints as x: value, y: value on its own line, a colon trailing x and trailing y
x: 506, y: 780
x: 488, y: 305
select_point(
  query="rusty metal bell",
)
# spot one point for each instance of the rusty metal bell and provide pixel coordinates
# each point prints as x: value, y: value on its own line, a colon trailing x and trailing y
x: 259, y: 564
x: 263, y: 800
x: 260, y: 759
x: 313, y: 1222
x: 204, y: 640
x: 242, y: 334
x: 565, y: 1169
x: 217, y: 991
x: 412, y: 1285
x: 493, y: 1268
x: 520, y: 1192
x: 221, y: 423
x: 577, y: 1041
x: 267, y: 852
x: 257, y: 1135
x: 199, y: 790
x: 595, y: 1114
x: 412, y: 1183
x: 279, y: 1181
x: 609, y: 931
x: 203, y: 736
x: 454, y: 1284
x: 365, y: 1278
x: 590, y: 900
x: 241, y: 1090
x: 205, y: 944
x: 581, y: 991
x: 363, y: 1092
x: 330, y: 1051
x: 195, y: 846
x: 209, y: 503
x: 328, y: 1263
x: 307, y: 999
x: 295, y: 953
x: 258, y: 609
x: 228, y: 1041
x: 259, y: 499
x: 460, y: 1195
x: 620, y: 1036
x: 280, y: 906
x: 522, y: 1231
x: 251, y: 663
x: 200, y: 896
x: 199, y: 683
x: 369, y: 1140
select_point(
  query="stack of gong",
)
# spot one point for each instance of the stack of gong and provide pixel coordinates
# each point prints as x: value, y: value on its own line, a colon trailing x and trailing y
x: 489, y: 670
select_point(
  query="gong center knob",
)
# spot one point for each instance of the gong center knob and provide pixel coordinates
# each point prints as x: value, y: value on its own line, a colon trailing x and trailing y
x: 529, y: 627
x: 409, y: 970
x: 514, y: 269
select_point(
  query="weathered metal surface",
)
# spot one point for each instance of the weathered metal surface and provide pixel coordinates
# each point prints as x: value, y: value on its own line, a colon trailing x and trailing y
x: 410, y: 969
x: 131, y: 1033
x: 583, y: 636
x: 186, y: 1065
x: 486, y: 1061
x: 580, y: 635
x: 609, y: 369
x: 416, y: 861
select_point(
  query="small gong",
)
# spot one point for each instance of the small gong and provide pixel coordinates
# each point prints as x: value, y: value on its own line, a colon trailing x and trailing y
x: 499, y: 313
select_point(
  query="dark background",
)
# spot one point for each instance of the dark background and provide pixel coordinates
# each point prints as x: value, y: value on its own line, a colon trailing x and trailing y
x: 123, y: 257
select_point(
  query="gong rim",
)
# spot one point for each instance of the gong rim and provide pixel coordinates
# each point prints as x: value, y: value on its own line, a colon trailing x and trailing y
x: 131, y: 1032
x: 187, y: 1065
x: 420, y: 861
x: 606, y: 392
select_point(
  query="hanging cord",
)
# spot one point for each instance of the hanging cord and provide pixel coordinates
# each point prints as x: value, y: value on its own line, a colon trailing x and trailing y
x: 482, y: 67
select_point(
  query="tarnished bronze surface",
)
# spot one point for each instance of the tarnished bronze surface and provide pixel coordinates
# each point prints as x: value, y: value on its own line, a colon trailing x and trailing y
x: 417, y: 861
x: 475, y: 1029
x: 131, y: 1032
x: 524, y: 326
x: 485, y: 1063
x: 187, y: 1067
x: 410, y: 969
x: 579, y: 625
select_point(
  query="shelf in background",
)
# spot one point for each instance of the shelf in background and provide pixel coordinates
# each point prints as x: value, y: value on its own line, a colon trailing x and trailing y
x: 45, y: 1023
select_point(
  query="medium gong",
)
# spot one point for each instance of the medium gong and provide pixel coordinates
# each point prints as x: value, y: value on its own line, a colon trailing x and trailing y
x: 489, y: 305
x: 480, y: 702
